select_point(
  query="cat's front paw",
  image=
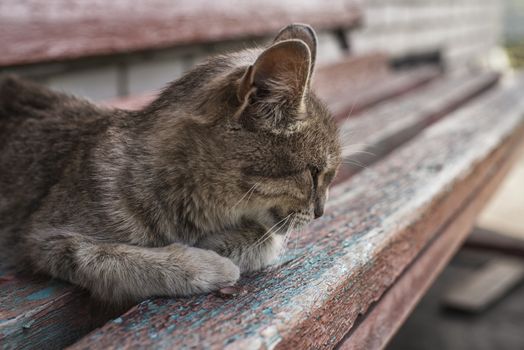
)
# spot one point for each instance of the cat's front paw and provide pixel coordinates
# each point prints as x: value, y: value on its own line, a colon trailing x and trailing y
x: 209, y: 271
x: 258, y: 257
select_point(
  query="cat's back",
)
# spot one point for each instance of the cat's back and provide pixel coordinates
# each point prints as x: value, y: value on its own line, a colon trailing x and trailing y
x: 41, y: 131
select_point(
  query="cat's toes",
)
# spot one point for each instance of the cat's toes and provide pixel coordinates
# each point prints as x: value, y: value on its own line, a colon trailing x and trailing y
x: 210, y: 271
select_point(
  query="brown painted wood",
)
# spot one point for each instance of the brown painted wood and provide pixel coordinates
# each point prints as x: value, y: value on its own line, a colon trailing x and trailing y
x: 362, y: 84
x: 33, y: 31
x: 38, y: 312
x: 375, y: 328
x: 384, y: 127
x: 376, y: 224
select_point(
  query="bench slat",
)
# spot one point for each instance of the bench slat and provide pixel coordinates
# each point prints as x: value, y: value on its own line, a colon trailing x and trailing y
x: 78, y: 303
x: 37, y: 31
x: 386, y: 126
x: 368, y: 86
x: 346, y: 261
x: 38, y: 312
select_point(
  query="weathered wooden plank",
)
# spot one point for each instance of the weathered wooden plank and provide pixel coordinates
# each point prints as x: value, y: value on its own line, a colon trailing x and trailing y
x: 65, y: 331
x: 386, y: 126
x: 344, y: 262
x: 363, y: 93
x: 34, y: 31
x: 376, y: 328
x: 38, y: 312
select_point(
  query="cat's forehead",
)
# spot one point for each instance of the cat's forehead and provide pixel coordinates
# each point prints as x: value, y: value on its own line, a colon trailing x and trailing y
x: 317, y: 143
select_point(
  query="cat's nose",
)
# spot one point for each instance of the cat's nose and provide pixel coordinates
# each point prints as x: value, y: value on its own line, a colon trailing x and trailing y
x: 319, y: 206
x: 319, y: 210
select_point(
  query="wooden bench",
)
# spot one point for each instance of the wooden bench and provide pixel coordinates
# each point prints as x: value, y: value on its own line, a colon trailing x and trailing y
x: 353, y: 276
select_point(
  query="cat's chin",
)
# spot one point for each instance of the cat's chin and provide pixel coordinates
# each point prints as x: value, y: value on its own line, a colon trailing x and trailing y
x: 301, y: 225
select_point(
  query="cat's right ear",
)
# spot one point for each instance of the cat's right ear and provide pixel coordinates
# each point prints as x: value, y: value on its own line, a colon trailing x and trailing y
x: 281, y: 72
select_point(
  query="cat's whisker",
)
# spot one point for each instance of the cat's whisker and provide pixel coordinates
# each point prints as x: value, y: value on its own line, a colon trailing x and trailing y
x: 352, y: 162
x: 360, y: 152
x: 254, y: 187
x: 296, y: 243
x: 278, y: 258
x: 268, y: 233
x: 249, y: 192
x: 355, y: 163
x: 355, y: 147
x: 283, y: 248
x: 349, y: 114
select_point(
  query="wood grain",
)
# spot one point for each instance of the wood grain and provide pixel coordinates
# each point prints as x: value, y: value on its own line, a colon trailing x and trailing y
x: 383, y: 128
x: 33, y: 31
x: 368, y: 87
x: 376, y: 328
x: 343, y: 263
x: 38, y: 312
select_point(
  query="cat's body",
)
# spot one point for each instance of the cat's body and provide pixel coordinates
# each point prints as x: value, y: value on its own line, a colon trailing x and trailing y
x: 136, y: 204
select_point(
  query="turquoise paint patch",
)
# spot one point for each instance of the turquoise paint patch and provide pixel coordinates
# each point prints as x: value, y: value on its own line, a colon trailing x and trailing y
x: 267, y: 311
x: 41, y: 294
x: 118, y: 320
x: 28, y: 324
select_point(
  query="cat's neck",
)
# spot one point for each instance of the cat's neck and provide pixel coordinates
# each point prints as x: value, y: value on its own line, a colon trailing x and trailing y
x: 154, y: 184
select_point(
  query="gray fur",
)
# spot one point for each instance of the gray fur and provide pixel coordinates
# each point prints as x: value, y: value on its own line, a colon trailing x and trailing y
x: 177, y: 198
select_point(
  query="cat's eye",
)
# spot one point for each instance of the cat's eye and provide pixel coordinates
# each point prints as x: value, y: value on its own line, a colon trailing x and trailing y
x: 328, y: 177
x: 314, y: 171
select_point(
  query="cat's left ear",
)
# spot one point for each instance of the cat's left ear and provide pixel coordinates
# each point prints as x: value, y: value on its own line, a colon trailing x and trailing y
x: 302, y: 32
x: 280, y: 73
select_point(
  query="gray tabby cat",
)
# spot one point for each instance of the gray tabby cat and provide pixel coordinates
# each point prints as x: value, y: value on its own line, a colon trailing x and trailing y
x: 179, y: 197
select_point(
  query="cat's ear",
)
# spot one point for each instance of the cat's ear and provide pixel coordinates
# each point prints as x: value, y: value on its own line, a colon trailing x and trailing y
x: 302, y: 32
x: 280, y: 72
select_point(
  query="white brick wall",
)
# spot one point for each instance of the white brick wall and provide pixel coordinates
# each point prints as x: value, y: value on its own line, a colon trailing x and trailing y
x: 99, y: 83
x: 154, y: 73
x: 463, y: 30
x: 514, y: 15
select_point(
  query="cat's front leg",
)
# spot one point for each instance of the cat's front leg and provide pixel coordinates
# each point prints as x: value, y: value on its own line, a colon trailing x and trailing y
x: 121, y: 273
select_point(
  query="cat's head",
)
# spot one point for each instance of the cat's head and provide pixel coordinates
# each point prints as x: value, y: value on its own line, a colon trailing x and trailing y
x: 256, y: 141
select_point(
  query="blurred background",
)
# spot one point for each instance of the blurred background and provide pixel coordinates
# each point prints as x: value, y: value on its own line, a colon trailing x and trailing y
x: 125, y: 51
x: 106, y: 50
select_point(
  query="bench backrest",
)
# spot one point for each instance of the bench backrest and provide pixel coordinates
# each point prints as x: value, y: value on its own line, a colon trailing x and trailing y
x: 35, y: 31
